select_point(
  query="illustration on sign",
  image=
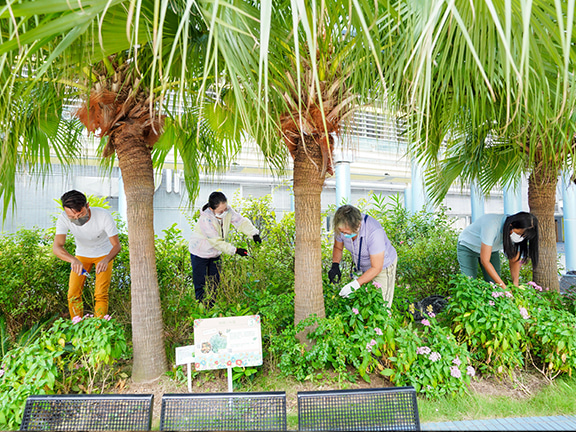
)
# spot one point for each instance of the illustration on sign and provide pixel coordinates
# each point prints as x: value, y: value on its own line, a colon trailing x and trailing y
x: 227, y: 342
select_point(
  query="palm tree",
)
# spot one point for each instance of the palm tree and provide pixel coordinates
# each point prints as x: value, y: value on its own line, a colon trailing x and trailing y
x: 491, y: 85
x: 298, y: 71
x: 117, y: 58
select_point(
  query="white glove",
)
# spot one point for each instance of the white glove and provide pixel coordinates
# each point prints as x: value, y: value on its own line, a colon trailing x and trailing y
x: 348, y: 288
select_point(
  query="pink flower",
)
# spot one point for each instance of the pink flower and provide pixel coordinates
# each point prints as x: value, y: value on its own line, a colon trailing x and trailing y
x: 76, y: 319
x: 509, y: 294
x: 455, y: 372
x: 535, y: 285
x: 1, y: 372
x: 368, y: 347
x: 372, y: 342
x: 434, y: 356
x: 401, y: 241
x: 378, y: 331
x: 491, y: 303
x: 423, y: 350
x: 356, y: 311
x: 457, y: 361
x: 470, y: 371
x: 431, y: 314
x: 107, y: 317
x: 497, y: 294
x: 377, y: 285
x: 524, y: 313
x: 425, y: 322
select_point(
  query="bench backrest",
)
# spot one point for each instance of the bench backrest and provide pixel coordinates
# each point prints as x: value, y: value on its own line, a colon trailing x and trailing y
x: 393, y: 408
x: 264, y: 411
x: 88, y: 412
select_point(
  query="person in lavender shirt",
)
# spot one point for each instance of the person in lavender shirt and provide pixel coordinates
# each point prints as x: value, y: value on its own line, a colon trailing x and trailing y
x: 373, y: 255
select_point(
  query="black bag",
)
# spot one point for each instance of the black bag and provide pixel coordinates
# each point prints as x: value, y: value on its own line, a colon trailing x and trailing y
x: 434, y: 302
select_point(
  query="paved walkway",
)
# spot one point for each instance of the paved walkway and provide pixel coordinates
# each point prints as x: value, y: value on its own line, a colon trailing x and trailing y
x: 557, y: 423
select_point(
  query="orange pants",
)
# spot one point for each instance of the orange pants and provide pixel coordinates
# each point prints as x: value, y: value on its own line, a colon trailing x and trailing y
x: 76, y: 286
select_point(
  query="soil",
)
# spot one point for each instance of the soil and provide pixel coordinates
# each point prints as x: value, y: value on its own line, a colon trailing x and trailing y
x: 524, y: 385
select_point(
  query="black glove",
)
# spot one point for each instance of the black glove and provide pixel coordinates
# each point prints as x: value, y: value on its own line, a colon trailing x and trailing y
x: 241, y: 252
x: 334, y: 273
x: 257, y: 238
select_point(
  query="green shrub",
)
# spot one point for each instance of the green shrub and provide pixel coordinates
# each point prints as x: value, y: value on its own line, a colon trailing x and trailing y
x: 70, y: 356
x: 489, y: 321
x: 176, y: 288
x: 34, y: 282
x: 328, y: 350
x: 425, y: 243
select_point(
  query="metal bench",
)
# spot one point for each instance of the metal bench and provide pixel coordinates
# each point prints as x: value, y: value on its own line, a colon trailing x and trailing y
x: 393, y: 408
x: 88, y: 412
x: 264, y: 411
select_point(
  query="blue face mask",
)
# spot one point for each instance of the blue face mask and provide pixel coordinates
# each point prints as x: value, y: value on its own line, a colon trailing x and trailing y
x: 349, y: 235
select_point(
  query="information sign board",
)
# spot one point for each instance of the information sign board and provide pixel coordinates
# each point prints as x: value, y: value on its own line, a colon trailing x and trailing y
x: 222, y: 343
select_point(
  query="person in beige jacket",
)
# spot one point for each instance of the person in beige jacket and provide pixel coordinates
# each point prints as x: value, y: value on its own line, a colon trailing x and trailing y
x: 208, y: 240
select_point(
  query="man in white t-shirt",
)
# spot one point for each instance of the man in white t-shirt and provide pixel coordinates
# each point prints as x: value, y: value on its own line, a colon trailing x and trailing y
x: 96, y: 237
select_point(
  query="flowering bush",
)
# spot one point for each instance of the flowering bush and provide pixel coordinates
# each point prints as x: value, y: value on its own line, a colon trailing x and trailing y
x: 371, y: 330
x: 551, y: 332
x: 430, y: 359
x: 490, y: 322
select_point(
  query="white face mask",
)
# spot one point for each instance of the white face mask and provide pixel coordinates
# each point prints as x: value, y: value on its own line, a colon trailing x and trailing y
x: 221, y: 215
x: 516, y: 238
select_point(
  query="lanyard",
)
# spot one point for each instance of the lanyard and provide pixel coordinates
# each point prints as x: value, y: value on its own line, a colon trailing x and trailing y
x: 357, y: 265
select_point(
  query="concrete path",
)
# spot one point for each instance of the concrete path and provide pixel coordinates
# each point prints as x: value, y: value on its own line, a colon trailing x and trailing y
x: 557, y: 423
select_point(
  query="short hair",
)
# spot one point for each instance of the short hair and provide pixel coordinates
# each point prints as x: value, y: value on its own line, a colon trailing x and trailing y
x: 347, y: 216
x: 214, y: 200
x: 74, y: 200
x: 528, y: 247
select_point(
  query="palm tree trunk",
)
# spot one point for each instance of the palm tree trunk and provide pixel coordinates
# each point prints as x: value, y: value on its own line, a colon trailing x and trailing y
x: 308, y: 184
x: 542, y: 201
x: 135, y: 163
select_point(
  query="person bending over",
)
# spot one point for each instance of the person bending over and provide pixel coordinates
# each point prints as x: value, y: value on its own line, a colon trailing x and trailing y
x: 481, y: 242
x: 373, y: 255
x: 97, y: 244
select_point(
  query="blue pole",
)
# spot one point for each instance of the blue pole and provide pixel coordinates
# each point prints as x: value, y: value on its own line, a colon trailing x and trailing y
x: 477, y: 201
x: 512, y: 196
x: 569, y: 198
x: 418, y: 190
x: 343, y: 193
x: 408, y: 199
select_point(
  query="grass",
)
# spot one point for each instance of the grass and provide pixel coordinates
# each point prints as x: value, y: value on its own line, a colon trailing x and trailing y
x: 554, y: 399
